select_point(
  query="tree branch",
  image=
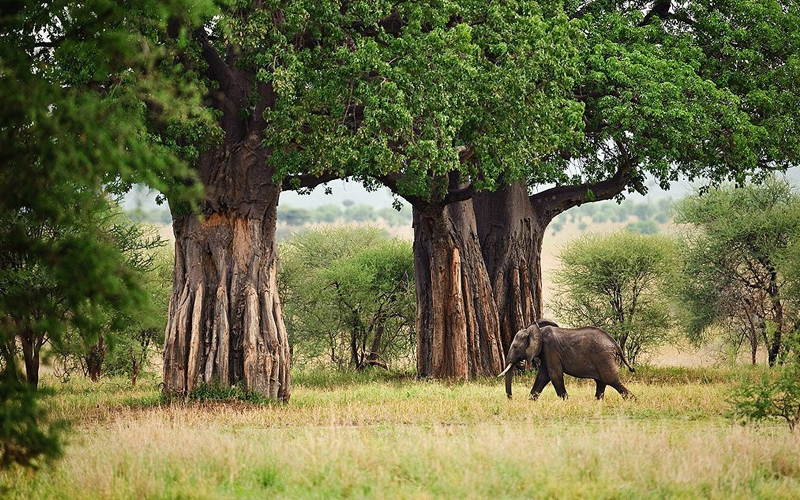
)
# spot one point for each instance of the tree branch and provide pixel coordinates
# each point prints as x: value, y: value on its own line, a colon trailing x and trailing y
x: 390, y: 180
x: 306, y: 181
x: 551, y: 202
x: 461, y: 194
x: 218, y: 69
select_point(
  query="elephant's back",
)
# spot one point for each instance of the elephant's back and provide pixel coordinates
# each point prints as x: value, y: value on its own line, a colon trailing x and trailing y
x: 585, y: 352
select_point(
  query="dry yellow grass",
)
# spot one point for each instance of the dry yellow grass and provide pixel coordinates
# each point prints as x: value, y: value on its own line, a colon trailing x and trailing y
x: 378, y: 437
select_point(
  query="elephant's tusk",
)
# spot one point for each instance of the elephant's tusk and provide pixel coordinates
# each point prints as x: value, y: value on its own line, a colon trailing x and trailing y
x: 504, y: 371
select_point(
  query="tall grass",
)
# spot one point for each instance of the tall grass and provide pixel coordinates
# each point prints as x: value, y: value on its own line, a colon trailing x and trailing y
x: 383, y: 436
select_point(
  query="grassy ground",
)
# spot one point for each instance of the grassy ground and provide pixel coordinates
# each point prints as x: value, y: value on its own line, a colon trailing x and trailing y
x: 380, y: 436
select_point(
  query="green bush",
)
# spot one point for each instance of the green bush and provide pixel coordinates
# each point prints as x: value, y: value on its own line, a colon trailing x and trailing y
x: 769, y: 395
x: 348, y: 296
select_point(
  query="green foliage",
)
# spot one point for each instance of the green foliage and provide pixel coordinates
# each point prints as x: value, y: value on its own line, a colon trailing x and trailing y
x: 618, y: 282
x: 736, y: 242
x: 27, y: 437
x: 86, y: 89
x: 418, y: 90
x: 131, y: 347
x: 773, y: 394
x: 348, y: 295
x: 708, y: 92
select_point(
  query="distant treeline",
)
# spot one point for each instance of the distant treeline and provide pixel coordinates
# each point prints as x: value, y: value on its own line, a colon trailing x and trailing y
x: 158, y: 215
x: 346, y: 212
x: 646, y: 215
x: 640, y: 216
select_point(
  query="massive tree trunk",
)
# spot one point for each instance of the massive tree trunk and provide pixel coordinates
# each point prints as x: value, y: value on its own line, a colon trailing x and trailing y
x: 511, y: 241
x: 225, y: 325
x: 457, y: 323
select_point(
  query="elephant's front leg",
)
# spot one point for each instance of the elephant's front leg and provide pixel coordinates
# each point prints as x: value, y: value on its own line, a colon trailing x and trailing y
x: 542, y: 379
x: 557, y: 377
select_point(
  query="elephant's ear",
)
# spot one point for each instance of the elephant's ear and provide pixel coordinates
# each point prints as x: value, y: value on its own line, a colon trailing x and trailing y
x: 535, y: 338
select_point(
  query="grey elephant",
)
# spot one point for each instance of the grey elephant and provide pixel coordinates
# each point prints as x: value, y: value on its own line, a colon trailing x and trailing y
x: 581, y: 352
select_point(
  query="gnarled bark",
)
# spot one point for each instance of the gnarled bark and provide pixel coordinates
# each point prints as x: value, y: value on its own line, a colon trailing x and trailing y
x: 226, y: 325
x: 457, y: 323
x: 511, y: 241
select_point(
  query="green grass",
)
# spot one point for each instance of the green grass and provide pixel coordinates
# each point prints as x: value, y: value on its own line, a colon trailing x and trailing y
x: 384, y: 435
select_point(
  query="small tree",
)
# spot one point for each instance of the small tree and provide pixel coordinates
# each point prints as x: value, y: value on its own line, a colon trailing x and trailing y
x: 348, y: 295
x: 734, y: 254
x: 773, y: 395
x: 618, y: 282
x: 132, y: 347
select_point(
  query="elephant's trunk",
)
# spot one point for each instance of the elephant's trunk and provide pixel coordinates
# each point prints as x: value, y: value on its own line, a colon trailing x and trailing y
x: 509, y: 375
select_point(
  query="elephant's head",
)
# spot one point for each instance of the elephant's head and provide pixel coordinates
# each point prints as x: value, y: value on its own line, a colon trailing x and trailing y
x: 527, y: 344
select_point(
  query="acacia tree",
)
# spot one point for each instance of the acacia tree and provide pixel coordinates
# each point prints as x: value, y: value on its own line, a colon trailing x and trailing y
x: 690, y: 90
x: 436, y: 101
x: 735, y: 256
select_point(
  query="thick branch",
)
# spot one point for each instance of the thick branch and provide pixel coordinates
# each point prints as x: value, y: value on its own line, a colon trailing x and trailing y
x: 218, y: 69
x: 461, y: 194
x: 306, y: 181
x: 391, y: 180
x: 551, y: 202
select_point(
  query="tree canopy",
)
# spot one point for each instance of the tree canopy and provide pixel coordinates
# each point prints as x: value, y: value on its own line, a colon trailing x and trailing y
x: 411, y: 92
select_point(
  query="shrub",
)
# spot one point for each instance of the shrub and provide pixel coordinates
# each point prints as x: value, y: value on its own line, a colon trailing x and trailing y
x: 775, y: 394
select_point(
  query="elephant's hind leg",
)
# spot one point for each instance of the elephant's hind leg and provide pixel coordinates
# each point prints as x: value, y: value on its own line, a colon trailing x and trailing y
x: 600, y: 391
x: 623, y: 391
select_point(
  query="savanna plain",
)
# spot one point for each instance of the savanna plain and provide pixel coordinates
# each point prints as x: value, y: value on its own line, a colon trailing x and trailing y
x: 383, y: 435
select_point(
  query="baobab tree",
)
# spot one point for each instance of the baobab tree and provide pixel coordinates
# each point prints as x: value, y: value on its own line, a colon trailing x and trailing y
x: 691, y: 91
x: 437, y: 102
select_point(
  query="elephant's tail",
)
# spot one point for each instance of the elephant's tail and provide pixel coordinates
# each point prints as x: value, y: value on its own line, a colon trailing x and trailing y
x: 622, y: 356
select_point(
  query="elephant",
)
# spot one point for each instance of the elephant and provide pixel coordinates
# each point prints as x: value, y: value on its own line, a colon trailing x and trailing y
x: 586, y: 352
